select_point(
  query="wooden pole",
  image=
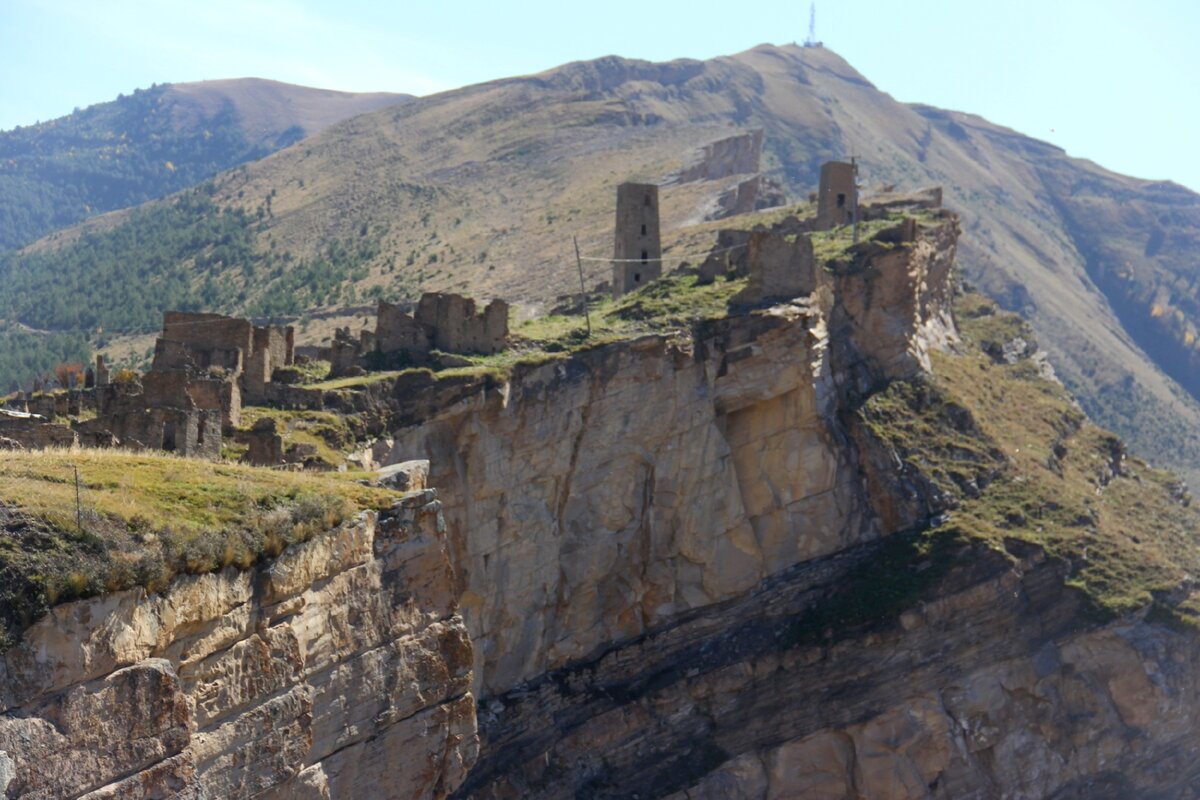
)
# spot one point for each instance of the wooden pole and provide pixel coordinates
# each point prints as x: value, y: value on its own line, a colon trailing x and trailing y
x: 78, y: 505
x: 582, y: 289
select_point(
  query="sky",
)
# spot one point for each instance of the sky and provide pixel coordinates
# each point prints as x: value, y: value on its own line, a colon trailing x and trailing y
x: 1117, y: 83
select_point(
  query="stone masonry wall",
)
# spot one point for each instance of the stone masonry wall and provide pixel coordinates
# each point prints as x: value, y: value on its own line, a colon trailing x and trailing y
x: 637, y: 250
x: 454, y: 326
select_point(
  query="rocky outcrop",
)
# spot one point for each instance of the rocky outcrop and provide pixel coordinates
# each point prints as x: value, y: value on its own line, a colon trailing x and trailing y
x: 605, y: 494
x: 991, y: 688
x: 342, y: 664
x: 724, y: 158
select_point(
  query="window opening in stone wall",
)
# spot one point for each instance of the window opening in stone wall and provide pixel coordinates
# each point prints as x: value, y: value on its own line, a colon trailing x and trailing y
x: 645, y: 256
x: 647, y: 200
x: 841, y: 200
x: 637, y: 277
x: 169, y: 437
x: 643, y: 230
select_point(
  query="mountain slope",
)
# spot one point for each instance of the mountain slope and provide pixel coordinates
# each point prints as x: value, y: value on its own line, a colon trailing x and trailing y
x: 151, y: 143
x: 483, y: 188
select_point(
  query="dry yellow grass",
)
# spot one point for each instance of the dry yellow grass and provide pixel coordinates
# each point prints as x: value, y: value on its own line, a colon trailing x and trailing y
x: 140, y: 519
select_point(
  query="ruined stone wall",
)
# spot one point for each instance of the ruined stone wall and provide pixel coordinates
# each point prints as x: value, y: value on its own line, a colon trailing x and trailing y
x: 341, y: 669
x: 276, y: 340
x: 208, y: 331
x: 779, y: 269
x: 637, y: 252
x: 454, y: 326
x: 397, y: 331
x: 33, y: 434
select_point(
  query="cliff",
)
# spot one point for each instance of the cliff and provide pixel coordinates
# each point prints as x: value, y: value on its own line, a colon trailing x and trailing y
x: 341, y: 664
x: 857, y: 544
x: 597, y: 496
x: 824, y: 549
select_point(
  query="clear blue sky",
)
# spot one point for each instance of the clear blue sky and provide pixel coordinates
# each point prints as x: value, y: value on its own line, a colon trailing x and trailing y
x: 1113, y: 82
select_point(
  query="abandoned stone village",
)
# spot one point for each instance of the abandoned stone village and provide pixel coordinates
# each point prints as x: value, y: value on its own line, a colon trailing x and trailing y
x: 209, y: 369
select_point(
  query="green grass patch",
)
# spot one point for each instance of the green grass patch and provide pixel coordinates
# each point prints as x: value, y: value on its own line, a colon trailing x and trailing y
x: 141, y: 519
x: 1017, y: 460
x: 332, y: 435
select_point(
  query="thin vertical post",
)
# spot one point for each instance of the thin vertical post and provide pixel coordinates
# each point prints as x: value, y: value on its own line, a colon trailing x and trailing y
x: 78, y: 505
x: 854, y: 194
x: 587, y: 315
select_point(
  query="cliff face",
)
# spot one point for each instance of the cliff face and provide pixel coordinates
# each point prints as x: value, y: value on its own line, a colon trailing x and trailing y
x: 653, y: 535
x: 342, y: 664
x: 696, y: 564
x: 992, y: 688
x: 600, y: 496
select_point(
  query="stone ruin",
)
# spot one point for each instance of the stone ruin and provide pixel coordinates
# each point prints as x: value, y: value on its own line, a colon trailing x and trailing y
x: 837, y: 195
x: 637, y: 250
x: 779, y: 263
x: 448, y: 323
x: 780, y: 268
x: 244, y: 354
x: 204, y: 366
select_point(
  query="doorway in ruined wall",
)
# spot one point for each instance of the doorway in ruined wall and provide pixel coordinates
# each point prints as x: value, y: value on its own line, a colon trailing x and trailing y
x: 168, y: 440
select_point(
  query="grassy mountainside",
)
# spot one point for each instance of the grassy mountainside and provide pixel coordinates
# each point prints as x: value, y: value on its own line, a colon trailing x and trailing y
x: 481, y: 189
x: 1017, y: 463
x: 151, y: 143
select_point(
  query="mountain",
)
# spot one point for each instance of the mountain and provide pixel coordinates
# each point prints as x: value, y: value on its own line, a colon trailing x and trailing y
x: 151, y: 143
x: 482, y: 189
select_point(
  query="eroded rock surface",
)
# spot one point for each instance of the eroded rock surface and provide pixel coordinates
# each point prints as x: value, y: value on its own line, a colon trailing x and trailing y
x: 997, y: 687
x: 340, y: 668
x: 605, y: 494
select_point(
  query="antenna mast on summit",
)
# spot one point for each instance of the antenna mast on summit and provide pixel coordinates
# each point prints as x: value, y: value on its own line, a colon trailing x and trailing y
x: 811, y: 41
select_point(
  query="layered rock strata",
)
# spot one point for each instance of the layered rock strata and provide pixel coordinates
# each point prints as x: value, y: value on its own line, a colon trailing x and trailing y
x: 340, y: 668
x: 996, y: 686
x: 607, y: 493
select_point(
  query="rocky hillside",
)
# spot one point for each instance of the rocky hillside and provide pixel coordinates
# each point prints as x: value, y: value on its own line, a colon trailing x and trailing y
x: 482, y: 189
x: 152, y: 143
x: 860, y: 543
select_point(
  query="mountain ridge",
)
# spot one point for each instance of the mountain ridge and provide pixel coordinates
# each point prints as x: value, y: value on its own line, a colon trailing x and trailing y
x: 481, y: 189
x: 151, y: 143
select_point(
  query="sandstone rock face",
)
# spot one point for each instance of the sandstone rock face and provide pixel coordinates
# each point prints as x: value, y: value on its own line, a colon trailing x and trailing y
x: 610, y: 492
x: 892, y: 305
x: 995, y: 688
x: 605, y: 494
x: 339, y: 670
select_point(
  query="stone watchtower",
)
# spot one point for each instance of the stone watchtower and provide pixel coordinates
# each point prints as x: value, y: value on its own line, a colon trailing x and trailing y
x: 638, y: 251
x: 837, y: 197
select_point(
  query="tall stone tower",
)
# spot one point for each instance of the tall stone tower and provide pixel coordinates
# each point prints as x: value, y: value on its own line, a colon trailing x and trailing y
x: 638, y: 251
x: 837, y: 197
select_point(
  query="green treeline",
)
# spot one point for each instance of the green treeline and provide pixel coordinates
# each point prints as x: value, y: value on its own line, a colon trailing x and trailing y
x: 25, y: 355
x: 109, y: 156
x: 184, y: 254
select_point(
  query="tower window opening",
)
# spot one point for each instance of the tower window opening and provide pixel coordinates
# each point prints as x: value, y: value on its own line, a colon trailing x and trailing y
x: 637, y: 277
x: 645, y: 256
x: 646, y: 199
x: 643, y: 229
x: 841, y: 201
